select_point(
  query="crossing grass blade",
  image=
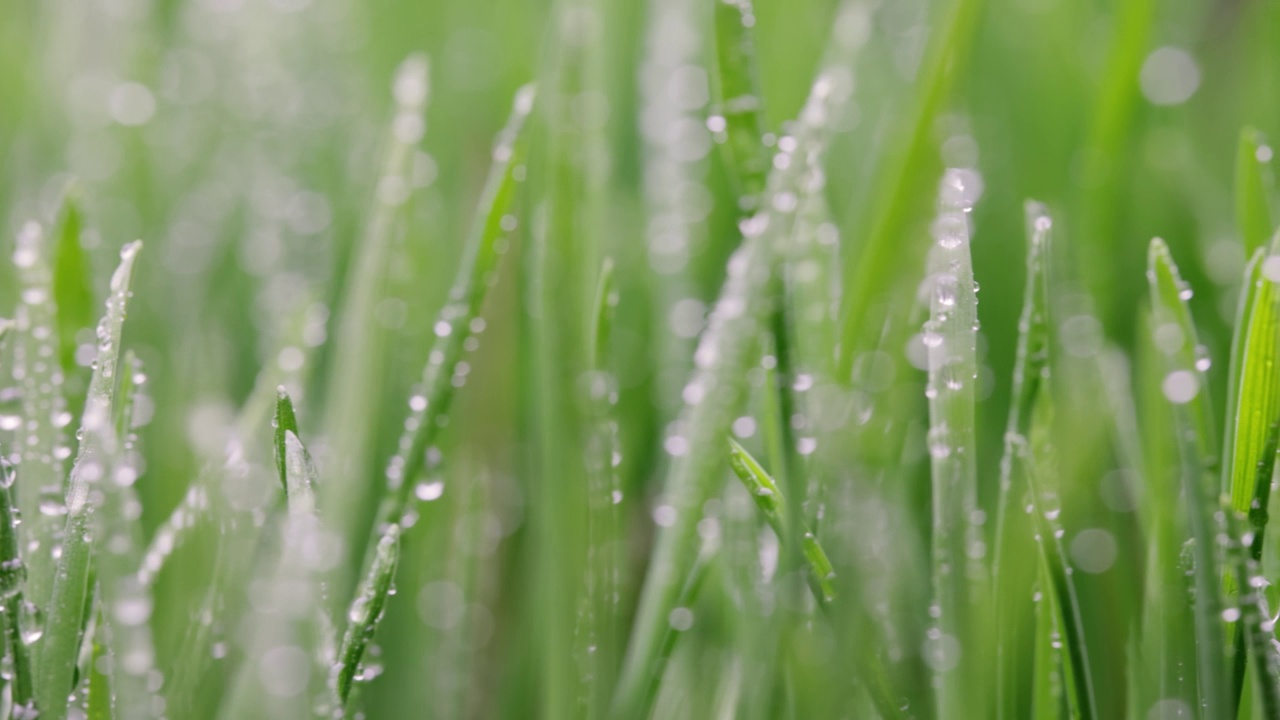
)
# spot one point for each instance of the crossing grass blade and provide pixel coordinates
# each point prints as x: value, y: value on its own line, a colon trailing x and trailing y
x: 98, y: 446
x: 1256, y: 217
x: 1013, y: 571
x: 724, y: 354
x: 1186, y: 388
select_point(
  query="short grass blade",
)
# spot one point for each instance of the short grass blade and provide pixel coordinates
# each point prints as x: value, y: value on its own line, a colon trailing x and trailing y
x: 365, y: 613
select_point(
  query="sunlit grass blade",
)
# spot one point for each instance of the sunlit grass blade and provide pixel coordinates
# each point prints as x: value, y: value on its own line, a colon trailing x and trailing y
x: 98, y: 447
x: 741, y: 106
x: 1253, y: 423
x: 1254, y: 191
x: 1014, y: 571
x: 72, y: 290
x: 951, y: 338
x: 13, y: 577
x: 42, y: 449
x: 1184, y: 385
x: 353, y: 398
x: 1253, y: 616
x: 713, y: 397
x: 912, y: 170
x: 365, y: 613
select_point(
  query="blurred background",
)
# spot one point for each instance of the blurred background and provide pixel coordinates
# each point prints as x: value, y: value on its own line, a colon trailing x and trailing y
x: 243, y: 141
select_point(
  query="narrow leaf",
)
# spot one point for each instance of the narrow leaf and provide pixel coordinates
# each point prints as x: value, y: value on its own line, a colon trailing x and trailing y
x: 1255, y: 191
x: 97, y: 448
x: 366, y: 612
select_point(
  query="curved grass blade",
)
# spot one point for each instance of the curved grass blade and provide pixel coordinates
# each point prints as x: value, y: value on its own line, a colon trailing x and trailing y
x: 98, y: 445
x: 460, y: 318
x: 1185, y: 387
x: 951, y: 336
x: 40, y: 495
x: 1254, y: 191
x: 723, y: 356
x: 354, y: 391
x: 13, y: 577
x: 911, y: 171
x: 366, y: 612
x: 738, y: 76
x: 1013, y: 572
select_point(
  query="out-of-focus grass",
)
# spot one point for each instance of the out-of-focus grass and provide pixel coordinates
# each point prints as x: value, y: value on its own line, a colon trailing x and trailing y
x: 564, y: 518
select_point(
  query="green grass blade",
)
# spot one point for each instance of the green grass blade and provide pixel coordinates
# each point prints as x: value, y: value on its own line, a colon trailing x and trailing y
x: 951, y: 338
x: 40, y: 493
x: 353, y: 398
x: 910, y: 175
x: 366, y: 612
x: 61, y: 642
x: 1255, y: 191
x: 738, y: 86
x: 769, y: 499
x: 99, y: 698
x: 1185, y: 387
x: 724, y: 354
x: 72, y: 289
x: 13, y: 577
x: 284, y: 422
x: 1066, y: 599
x: 1014, y: 571
x: 1253, y: 616
x: 125, y: 602
x: 460, y: 319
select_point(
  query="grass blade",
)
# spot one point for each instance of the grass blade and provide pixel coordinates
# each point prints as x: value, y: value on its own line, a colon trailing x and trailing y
x: 366, y: 612
x: 354, y: 393
x: 40, y: 495
x: 61, y: 641
x: 13, y: 576
x: 1185, y: 387
x: 724, y: 354
x: 740, y: 101
x: 72, y: 290
x: 125, y: 603
x: 951, y: 338
x: 1013, y: 572
x: 1065, y: 598
x: 1252, y: 615
x: 913, y: 168
x: 1254, y: 191
x: 460, y: 319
